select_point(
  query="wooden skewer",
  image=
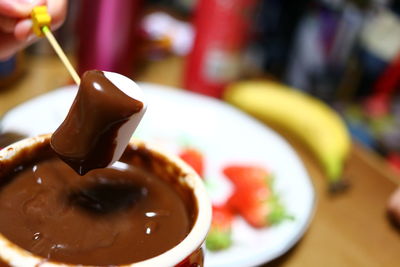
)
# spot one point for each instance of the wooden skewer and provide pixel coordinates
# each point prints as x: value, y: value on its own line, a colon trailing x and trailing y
x: 41, y: 26
x: 50, y: 37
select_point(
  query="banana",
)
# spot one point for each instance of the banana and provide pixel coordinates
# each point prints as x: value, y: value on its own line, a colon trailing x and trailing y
x: 313, y: 122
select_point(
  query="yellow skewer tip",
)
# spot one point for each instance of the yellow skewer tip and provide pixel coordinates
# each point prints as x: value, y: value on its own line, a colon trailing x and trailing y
x: 40, y: 18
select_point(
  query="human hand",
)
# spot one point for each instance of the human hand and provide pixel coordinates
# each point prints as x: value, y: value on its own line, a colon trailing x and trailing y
x: 394, y: 206
x: 16, y: 25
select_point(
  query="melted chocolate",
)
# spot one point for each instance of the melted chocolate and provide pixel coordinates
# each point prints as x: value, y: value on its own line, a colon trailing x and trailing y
x: 110, y: 216
x: 86, y: 138
x: 7, y: 138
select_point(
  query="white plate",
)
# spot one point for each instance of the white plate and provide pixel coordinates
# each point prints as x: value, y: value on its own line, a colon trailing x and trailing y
x: 224, y: 135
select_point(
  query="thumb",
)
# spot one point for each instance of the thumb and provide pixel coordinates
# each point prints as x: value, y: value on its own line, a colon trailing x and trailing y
x: 57, y: 11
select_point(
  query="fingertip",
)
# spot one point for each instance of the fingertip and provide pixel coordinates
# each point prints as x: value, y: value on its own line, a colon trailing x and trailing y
x: 23, y: 29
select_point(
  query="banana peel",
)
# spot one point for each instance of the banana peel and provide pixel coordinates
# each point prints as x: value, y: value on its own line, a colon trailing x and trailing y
x: 308, y: 119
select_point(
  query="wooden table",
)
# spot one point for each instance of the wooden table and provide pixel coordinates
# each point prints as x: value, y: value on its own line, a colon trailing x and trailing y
x: 348, y: 229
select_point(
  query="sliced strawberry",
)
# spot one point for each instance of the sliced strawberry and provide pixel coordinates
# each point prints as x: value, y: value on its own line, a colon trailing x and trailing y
x: 220, y: 234
x: 194, y: 158
x: 253, y: 197
x: 250, y: 178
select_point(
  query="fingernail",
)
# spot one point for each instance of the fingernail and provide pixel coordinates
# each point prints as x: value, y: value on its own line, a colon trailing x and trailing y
x: 30, y: 2
x: 31, y: 37
x: 23, y: 29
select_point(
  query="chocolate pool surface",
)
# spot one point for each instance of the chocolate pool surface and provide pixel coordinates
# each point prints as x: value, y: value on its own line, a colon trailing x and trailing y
x: 110, y: 216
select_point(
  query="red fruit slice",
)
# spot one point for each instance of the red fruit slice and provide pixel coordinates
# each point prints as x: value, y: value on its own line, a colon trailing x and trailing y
x: 194, y: 158
x: 253, y: 197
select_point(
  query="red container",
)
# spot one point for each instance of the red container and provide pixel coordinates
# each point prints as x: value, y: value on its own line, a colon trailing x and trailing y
x: 106, y: 31
x: 222, y: 30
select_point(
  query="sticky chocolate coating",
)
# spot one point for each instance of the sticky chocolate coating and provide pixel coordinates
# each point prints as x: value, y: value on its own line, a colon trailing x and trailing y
x: 86, y: 139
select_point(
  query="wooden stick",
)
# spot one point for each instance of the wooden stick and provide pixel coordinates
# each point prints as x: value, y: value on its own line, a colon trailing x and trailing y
x: 61, y: 54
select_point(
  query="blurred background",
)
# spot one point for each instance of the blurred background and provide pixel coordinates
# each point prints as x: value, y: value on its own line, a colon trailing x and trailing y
x: 345, y: 52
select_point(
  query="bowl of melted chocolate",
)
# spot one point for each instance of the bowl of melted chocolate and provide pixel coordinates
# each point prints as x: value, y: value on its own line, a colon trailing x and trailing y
x: 147, y: 209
